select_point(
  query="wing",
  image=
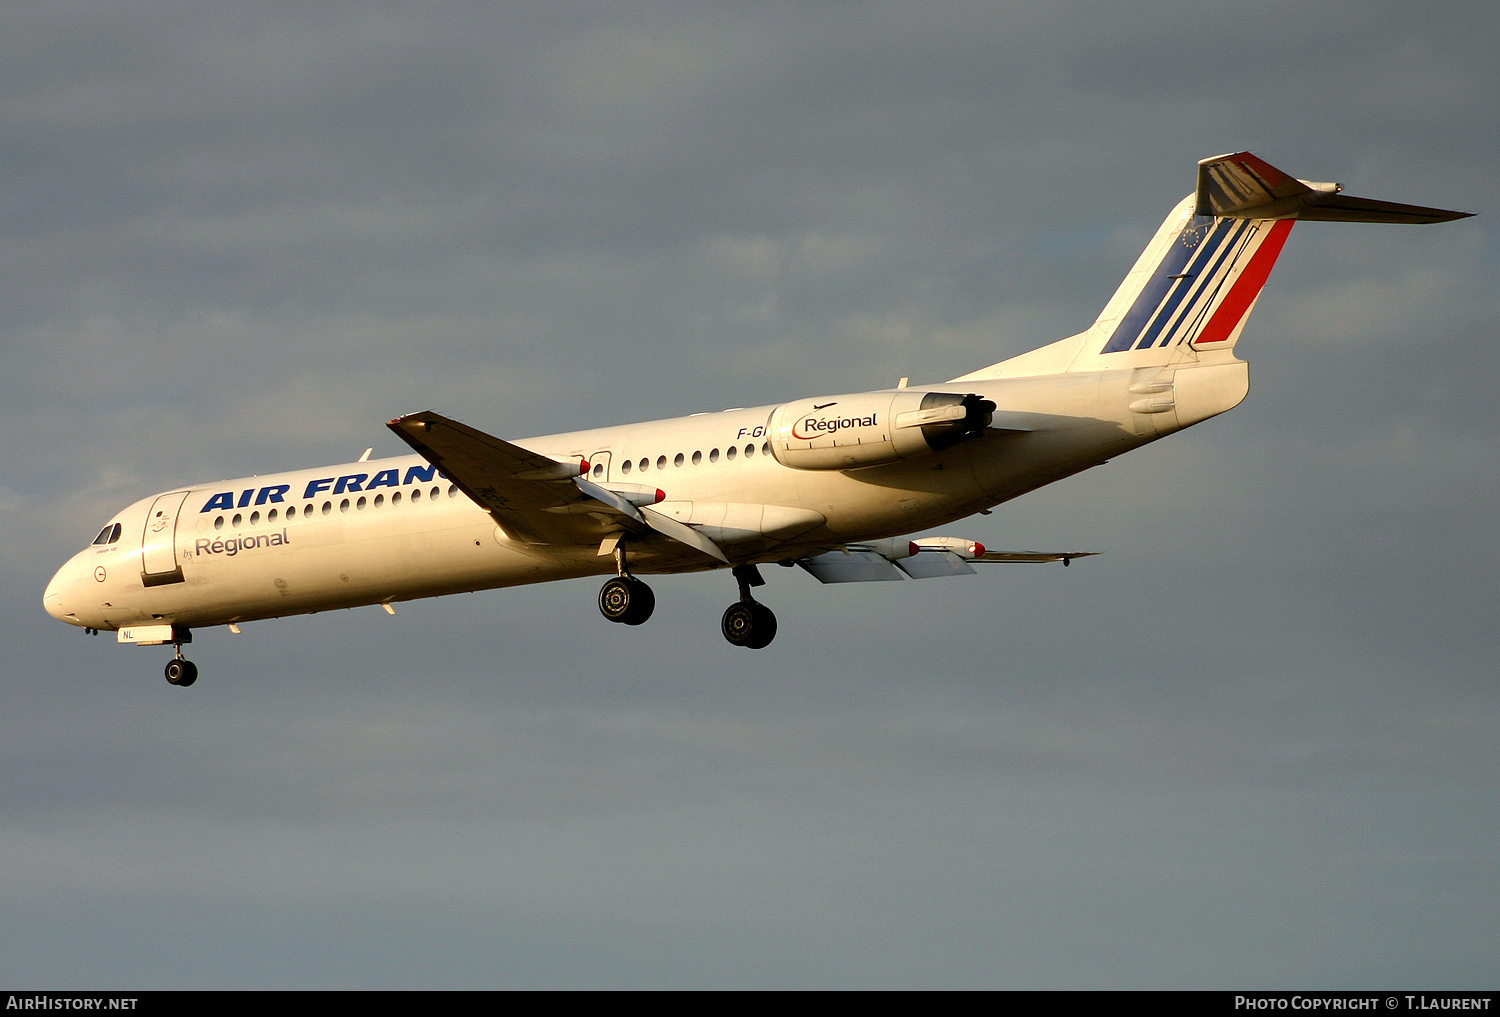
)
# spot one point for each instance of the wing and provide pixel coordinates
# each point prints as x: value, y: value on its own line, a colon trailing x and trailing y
x: 538, y: 499
x: 851, y: 566
x: 881, y: 561
x: 1033, y: 556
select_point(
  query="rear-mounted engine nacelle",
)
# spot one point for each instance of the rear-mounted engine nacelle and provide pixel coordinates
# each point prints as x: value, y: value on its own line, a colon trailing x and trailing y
x: 847, y: 432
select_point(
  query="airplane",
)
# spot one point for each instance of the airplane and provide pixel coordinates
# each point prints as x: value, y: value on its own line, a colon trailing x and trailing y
x: 829, y: 483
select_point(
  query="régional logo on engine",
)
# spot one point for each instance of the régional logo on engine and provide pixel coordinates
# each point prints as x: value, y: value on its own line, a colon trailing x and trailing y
x: 813, y: 427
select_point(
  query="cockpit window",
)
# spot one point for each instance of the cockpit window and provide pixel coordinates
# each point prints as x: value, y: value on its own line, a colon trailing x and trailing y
x: 109, y: 535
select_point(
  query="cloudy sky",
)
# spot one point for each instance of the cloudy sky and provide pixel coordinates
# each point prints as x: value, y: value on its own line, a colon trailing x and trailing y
x: 1253, y: 744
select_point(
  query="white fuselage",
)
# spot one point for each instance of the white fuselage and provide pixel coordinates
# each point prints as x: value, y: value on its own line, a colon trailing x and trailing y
x: 794, y: 482
x: 394, y: 529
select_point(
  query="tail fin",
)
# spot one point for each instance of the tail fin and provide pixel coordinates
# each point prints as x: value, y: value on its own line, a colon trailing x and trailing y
x: 1194, y: 284
x: 1193, y: 287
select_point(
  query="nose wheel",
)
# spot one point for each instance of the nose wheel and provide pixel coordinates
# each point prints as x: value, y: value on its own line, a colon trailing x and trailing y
x: 749, y: 622
x: 181, y: 671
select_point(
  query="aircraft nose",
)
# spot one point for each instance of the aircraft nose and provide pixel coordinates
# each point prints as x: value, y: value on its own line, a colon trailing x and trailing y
x: 55, y: 598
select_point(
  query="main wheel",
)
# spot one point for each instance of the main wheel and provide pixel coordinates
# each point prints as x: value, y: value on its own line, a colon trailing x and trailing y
x: 748, y: 623
x: 642, y: 603
x: 181, y: 673
x: 765, y: 627
x: 738, y: 623
x: 627, y: 600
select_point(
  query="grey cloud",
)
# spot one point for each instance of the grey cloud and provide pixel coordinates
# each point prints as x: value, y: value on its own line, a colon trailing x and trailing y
x: 1249, y: 744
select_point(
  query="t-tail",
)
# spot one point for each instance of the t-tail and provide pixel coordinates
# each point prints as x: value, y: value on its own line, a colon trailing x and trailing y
x: 1193, y: 287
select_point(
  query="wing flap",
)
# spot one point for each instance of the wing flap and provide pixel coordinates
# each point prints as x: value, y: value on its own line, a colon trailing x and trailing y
x: 851, y: 567
x: 682, y: 533
x: 934, y: 565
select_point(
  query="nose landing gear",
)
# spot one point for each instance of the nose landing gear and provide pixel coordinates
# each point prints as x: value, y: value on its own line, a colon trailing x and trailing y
x: 749, y: 622
x: 181, y: 671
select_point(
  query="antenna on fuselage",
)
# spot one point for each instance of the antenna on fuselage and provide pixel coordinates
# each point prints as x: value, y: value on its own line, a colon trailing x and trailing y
x: 366, y: 456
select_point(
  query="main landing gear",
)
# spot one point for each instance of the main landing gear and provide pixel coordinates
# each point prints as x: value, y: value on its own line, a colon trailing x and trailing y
x: 181, y: 671
x: 749, y: 622
x: 625, y: 598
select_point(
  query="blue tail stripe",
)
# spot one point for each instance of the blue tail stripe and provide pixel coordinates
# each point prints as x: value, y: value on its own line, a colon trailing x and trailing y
x: 1214, y: 280
x: 1143, y: 312
x: 1218, y: 240
x: 1204, y: 281
x: 1149, y: 298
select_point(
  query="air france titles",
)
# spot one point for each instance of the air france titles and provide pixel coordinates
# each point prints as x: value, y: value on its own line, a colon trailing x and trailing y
x: 275, y: 494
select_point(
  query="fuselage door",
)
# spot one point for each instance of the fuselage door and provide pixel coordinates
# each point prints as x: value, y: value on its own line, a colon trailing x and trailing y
x: 159, y: 541
x: 599, y: 468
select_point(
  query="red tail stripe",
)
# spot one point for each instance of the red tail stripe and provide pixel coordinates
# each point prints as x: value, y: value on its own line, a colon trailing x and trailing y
x: 1235, y: 306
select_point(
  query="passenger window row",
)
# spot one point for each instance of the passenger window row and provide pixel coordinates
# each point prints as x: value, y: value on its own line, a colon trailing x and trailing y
x: 681, y: 459
x: 111, y: 534
x: 358, y: 504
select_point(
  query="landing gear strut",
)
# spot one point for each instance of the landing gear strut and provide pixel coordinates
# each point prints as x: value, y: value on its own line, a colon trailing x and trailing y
x: 181, y: 671
x: 748, y: 623
x: 625, y: 598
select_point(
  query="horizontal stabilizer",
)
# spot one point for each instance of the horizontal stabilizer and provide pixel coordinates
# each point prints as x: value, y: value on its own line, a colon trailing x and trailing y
x: 1244, y: 186
x: 1347, y: 208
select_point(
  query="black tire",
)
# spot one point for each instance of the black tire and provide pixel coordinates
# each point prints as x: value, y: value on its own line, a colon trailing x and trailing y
x: 642, y: 603
x: 764, y: 629
x: 627, y: 600
x: 181, y: 672
x: 738, y: 624
x: 190, y: 674
x: 614, y: 599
